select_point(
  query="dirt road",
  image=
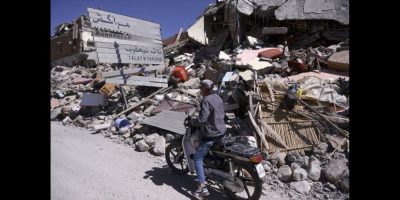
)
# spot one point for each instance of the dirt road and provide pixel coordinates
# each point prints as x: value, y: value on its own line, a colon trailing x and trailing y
x: 86, y: 166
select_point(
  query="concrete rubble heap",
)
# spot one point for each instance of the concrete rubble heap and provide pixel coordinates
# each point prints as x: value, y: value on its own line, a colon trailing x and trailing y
x: 280, y: 89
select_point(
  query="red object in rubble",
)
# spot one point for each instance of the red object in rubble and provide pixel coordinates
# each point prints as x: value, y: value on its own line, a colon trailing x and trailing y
x: 270, y: 53
x: 300, y: 67
x: 180, y: 72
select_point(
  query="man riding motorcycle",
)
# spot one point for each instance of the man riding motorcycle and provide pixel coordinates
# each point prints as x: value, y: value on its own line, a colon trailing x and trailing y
x: 212, y: 126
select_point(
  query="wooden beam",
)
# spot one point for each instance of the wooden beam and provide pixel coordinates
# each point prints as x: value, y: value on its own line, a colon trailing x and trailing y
x: 258, y: 131
x: 343, y: 132
x: 273, y: 134
x: 142, y: 101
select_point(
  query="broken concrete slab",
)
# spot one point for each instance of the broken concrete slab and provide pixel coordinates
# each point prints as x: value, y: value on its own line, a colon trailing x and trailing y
x: 245, y: 7
x: 197, y: 32
x: 148, y: 110
x: 151, y: 139
x: 55, y: 113
x: 302, y: 187
x: 77, y: 81
x: 339, y: 61
x: 142, y: 146
x: 137, y: 137
x: 247, y: 75
x: 299, y: 174
x: 334, y: 170
x: 223, y: 56
x: 312, y: 9
x: 259, y: 66
x: 101, y: 126
x: 159, y: 146
x: 314, y: 169
x: 191, y: 83
x: 248, y: 55
x: 66, y: 120
x: 93, y: 99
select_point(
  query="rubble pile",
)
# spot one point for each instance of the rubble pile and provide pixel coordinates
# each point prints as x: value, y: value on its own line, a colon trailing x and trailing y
x: 292, y: 102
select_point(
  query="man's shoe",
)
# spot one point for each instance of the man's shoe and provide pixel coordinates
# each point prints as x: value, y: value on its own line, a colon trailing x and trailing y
x: 200, y: 192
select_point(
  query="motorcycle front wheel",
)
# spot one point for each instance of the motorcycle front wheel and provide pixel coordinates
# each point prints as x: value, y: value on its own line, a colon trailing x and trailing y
x: 175, y: 157
x: 252, y: 183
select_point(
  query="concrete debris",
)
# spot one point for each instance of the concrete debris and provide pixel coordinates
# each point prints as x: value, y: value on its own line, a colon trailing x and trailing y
x: 330, y: 187
x: 101, y: 126
x: 302, y: 187
x: 159, y: 146
x: 314, y: 169
x: 137, y: 137
x: 55, y: 113
x: 284, y: 173
x: 339, y: 61
x: 151, y: 139
x: 223, y: 56
x: 306, y: 160
x: 299, y: 174
x: 141, y: 145
x: 321, y: 149
x: 334, y: 170
x: 66, y: 120
x: 294, y: 157
x: 264, y: 48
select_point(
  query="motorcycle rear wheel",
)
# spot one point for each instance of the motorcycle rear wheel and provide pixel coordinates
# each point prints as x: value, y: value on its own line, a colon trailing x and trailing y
x: 252, y: 183
x: 175, y: 158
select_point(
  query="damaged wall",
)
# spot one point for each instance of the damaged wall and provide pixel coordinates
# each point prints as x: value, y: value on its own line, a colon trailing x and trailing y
x: 114, y: 38
x: 337, y: 10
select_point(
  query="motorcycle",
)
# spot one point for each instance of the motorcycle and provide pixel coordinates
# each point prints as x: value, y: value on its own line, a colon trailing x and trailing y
x: 230, y: 164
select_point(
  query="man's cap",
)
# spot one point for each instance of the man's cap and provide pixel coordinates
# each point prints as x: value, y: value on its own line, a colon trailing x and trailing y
x: 207, y: 84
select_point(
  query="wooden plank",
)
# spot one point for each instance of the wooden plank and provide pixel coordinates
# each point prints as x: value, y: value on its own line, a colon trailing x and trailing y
x: 131, y: 71
x: 343, y: 132
x: 143, y: 101
x: 253, y: 122
x: 273, y: 134
x: 287, y: 122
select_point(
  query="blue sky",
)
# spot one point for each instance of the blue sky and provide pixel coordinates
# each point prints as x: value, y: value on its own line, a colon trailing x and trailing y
x: 170, y: 14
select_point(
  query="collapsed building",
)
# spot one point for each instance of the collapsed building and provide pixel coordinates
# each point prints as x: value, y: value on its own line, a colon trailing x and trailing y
x: 105, y: 37
x: 281, y: 68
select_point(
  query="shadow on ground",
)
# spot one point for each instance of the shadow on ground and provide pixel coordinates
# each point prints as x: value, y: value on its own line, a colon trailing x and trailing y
x: 184, y: 184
